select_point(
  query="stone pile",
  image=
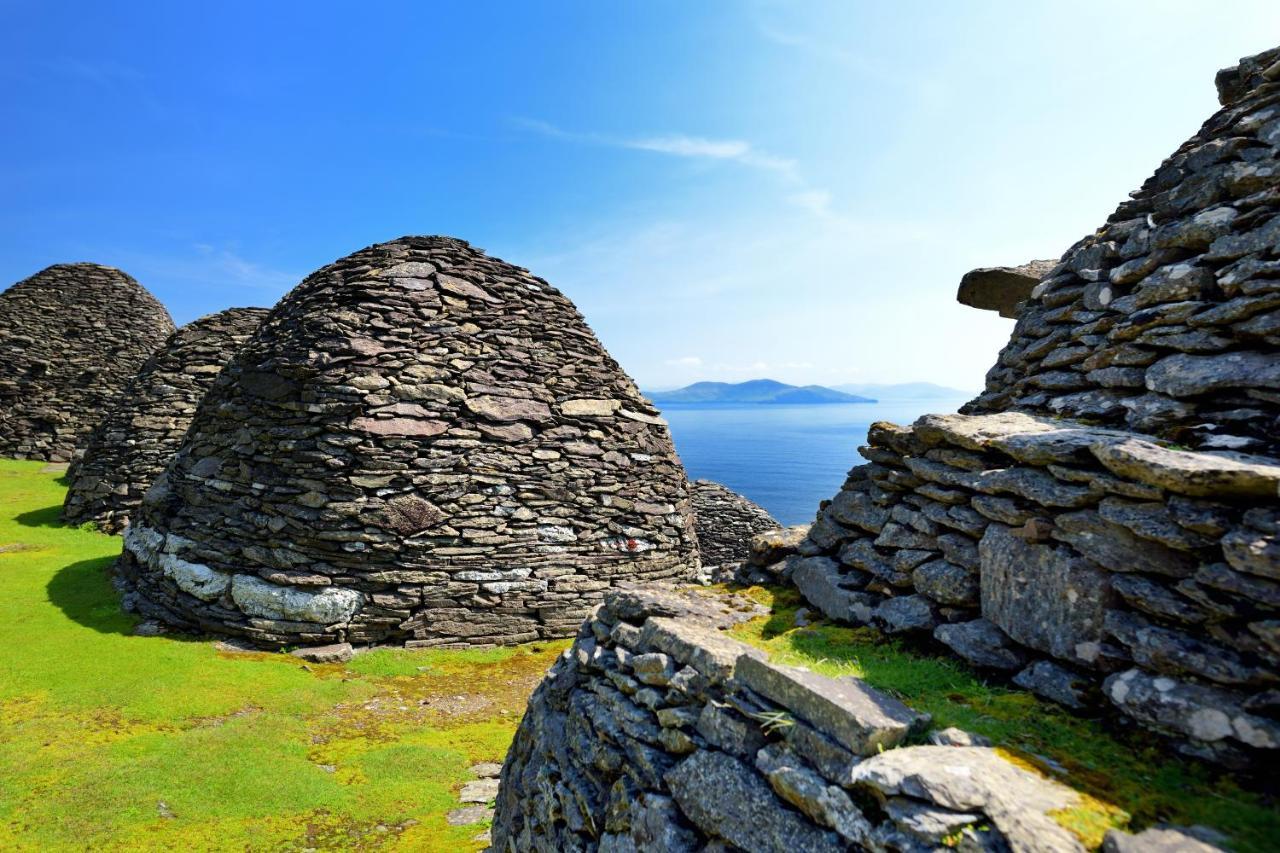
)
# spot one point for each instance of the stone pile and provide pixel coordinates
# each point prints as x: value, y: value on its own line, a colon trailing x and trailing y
x: 657, y: 732
x: 1167, y: 319
x: 130, y: 447
x: 420, y: 444
x: 726, y: 522
x: 71, y: 337
x: 1090, y: 557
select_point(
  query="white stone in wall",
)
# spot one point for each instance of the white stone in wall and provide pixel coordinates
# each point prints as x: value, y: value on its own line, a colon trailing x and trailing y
x: 257, y: 597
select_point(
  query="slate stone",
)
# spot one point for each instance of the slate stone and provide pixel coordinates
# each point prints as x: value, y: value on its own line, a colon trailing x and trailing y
x: 981, y: 643
x: 725, y: 799
x: 1057, y: 683
x: 852, y: 713
x: 1204, y: 713
x: 1043, y: 596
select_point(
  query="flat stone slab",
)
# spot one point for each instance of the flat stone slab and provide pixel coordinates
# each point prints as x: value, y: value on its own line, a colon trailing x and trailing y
x: 702, y: 647
x: 855, y: 715
x: 1001, y: 289
x: 487, y: 770
x: 334, y: 653
x: 468, y: 815
x: 963, y: 779
x: 479, y: 791
x: 1199, y: 474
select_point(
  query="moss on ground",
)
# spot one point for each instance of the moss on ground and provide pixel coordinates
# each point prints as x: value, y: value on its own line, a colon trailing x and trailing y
x: 115, y: 742
x: 1129, y: 778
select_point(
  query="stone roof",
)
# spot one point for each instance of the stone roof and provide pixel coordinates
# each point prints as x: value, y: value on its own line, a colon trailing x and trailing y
x: 421, y: 444
x: 726, y: 521
x: 1001, y: 289
x: 71, y: 336
x: 130, y: 447
x: 1167, y: 318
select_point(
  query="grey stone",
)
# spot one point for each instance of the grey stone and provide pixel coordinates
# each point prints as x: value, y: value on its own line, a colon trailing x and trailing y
x: 1042, y: 596
x: 1155, y: 840
x: 1001, y: 289
x: 335, y: 653
x: 1118, y: 549
x: 1197, y: 474
x: 1051, y: 681
x: 479, y: 791
x: 1207, y: 714
x: 852, y: 713
x: 904, y: 614
x: 981, y: 644
x: 947, y: 583
x: 726, y: 799
x: 260, y: 598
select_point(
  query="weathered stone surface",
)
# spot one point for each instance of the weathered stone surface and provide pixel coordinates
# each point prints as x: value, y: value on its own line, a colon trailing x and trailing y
x: 981, y: 643
x: 337, y: 653
x: 145, y: 425
x: 1219, y: 474
x: 1043, y: 597
x: 388, y: 458
x: 858, y: 717
x: 821, y: 581
x: 963, y: 779
x: 1155, y: 840
x: 1205, y: 714
x: 774, y: 545
x: 1001, y: 289
x: 726, y: 523
x: 1116, y: 548
x: 71, y: 337
x: 1048, y: 679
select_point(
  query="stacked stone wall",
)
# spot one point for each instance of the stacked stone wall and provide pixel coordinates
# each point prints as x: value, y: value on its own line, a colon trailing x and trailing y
x: 1167, y: 319
x: 420, y: 444
x: 726, y: 522
x: 1096, y: 567
x: 130, y: 447
x: 657, y: 732
x: 71, y: 337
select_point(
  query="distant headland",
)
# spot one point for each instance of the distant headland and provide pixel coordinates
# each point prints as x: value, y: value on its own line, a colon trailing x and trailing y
x: 769, y: 391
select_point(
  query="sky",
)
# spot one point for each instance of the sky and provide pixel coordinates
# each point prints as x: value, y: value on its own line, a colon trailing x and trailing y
x: 727, y: 190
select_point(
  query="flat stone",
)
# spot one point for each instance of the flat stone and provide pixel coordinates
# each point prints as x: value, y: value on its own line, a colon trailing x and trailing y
x: 334, y: 653
x: 1118, y: 549
x: 819, y: 580
x: 727, y: 799
x: 904, y: 614
x: 399, y: 426
x: 1002, y: 289
x: 589, y: 408
x: 1184, y: 375
x: 1043, y: 596
x: 1199, y: 474
x: 503, y: 409
x: 329, y: 606
x: 468, y: 815
x: 964, y: 779
x: 487, y: 770
x: 981, y: 644
x: 1207, y: 714
x: 855, y: 715
x: 707, y: 650
x: 1057, y: 683
x: 479, y: 791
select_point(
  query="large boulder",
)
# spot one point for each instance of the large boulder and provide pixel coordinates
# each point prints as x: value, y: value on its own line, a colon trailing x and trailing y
x: 130, y: 447
x: 420, y: 444
x: 1001, y: 289
x: 71, y: 337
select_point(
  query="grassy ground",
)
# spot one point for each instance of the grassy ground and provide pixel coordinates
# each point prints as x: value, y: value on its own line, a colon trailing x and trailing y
x: 114, y: 742
x: 1129, y: 778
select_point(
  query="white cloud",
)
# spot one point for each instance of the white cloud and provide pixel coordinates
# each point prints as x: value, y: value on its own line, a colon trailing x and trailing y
x: 684, y: 361
x: 676, y: 145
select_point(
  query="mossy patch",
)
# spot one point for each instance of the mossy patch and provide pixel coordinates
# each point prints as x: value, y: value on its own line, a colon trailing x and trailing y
x: 1127, y: 778
x: 118, y: 742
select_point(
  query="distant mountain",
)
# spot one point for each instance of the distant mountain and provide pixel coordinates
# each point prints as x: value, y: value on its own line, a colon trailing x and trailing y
x: 754, y: 391
x: 904, y: 391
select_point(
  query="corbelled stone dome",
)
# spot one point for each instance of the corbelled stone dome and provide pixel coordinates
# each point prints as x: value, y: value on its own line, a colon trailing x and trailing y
x: 419, y: 444
x: 130, y: 447
x: 71, y: 336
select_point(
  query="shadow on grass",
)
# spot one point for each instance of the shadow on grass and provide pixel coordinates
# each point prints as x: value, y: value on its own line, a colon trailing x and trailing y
x: 50, y: 516
x: 84, y: 592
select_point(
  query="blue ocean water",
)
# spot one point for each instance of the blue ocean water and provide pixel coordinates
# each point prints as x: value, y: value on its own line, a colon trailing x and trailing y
x: 785, y: 458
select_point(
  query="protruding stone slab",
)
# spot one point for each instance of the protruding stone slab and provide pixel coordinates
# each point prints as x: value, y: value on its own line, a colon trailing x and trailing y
x: 1001, y: 289
x: 857, y: 716
x: 1218, y: 474
x: 705, y: 649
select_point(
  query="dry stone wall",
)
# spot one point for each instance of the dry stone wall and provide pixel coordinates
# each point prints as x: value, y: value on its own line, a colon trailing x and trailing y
x: 726, y: 522
x: 422, y: 444
x: 131, y: 446
x: 71, y: 337
x: 1091, y: 558
x: 658, y: 732
x: 1167, y: 319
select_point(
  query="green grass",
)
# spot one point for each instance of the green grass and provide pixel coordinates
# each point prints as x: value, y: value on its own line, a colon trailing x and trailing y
x: 1129, y: 778
x: 114, y: 742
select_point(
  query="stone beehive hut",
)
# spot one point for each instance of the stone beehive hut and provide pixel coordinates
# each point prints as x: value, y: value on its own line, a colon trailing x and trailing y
x: 420, y: 444
x: 726, y: 521
x: 1102, y: 523
x: 130, y: 447
x: 71, y: 336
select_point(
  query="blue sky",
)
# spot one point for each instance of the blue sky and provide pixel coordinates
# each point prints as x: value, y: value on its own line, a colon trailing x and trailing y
x: 727, y: 190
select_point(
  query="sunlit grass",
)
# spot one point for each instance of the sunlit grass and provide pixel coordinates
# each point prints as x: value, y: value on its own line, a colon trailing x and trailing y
x: 114, y: 742
x: 1129, y: 777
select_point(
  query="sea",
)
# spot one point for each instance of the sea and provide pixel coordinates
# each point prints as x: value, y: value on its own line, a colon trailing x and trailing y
x: 785, y: 458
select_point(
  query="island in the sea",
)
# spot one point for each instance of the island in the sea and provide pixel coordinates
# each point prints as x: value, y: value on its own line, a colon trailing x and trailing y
x: 755, y: 391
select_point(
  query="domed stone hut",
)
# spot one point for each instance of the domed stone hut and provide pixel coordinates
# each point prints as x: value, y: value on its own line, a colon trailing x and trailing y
x: 71, y: 336
x: 420, y: 444
x: 726, y: 521
x: 130, y: 447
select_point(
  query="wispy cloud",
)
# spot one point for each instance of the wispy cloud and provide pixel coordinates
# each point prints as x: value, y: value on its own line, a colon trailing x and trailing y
x: 683, y: 145
x: 684, y: 361
x: 239, y: 270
